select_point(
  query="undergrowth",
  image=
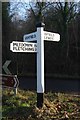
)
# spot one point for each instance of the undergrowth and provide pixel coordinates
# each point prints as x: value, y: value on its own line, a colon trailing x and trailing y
x: 57, y: 106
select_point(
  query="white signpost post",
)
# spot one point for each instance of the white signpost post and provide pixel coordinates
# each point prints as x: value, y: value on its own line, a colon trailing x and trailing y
x: 38, y: 47
x: 40, y: 65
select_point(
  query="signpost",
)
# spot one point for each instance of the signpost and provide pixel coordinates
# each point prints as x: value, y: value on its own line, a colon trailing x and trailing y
x: 23, y: 47
x: 38, y: 47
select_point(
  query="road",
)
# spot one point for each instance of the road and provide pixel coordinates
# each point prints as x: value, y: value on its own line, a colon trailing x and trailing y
x: 51, y: 84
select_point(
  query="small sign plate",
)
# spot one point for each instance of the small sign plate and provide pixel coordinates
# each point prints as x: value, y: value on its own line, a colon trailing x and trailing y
x: 9, y: 81
x: 49, y: 36
x: 30, y: 37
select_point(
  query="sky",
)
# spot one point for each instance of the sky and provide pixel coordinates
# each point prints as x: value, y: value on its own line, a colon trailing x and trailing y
x: 39, y: 0
x: 19, y: 9
x: 22, y: 6
x: 45, y: 0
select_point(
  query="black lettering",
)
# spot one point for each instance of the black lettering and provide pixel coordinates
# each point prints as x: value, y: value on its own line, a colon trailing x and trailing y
x: 15, y: 44
x: 14, y: 48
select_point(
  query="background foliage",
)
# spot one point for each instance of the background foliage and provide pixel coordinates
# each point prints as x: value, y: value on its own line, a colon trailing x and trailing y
x: 60, y: 58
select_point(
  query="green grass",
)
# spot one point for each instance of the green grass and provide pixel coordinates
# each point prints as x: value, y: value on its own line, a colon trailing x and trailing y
x: 57, y: 106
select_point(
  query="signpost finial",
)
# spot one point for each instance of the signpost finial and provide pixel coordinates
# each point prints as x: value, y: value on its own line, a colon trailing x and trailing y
x: 40, y: 24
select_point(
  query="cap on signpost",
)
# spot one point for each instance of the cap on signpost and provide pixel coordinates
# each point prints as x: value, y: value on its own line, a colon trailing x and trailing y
x: 40, y: 24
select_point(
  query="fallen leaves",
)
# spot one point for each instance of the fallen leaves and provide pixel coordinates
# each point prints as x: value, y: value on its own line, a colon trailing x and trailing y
x: 57, y: 106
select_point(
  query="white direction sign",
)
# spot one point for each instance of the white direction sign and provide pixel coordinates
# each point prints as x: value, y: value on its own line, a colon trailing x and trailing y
x: 30, y: 37
x: 23, y: 47
x: 49, y: 36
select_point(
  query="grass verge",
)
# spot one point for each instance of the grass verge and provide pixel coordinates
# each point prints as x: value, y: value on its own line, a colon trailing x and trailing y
x: 57, y: 106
